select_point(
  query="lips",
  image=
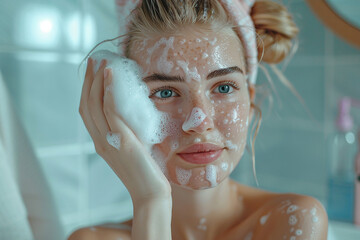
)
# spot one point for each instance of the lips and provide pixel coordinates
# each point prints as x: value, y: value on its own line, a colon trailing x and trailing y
x: 201, y: 153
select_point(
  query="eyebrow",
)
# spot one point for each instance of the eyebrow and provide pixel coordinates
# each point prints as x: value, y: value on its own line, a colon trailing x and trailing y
x: 213, y: 74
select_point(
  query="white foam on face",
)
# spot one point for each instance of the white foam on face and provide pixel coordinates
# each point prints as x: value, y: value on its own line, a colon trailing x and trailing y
x: 212, y: 42
x: 180, y: 110
x: 132, y: 100
x: 263, y: 219
x: 197, y: 140
x: 234, y: 116
x: 207, y: 94
x: 224, y: 166
x: 212, y: 111
x: 205, y: 55
x: 163, y: 64
x: 114, y: 139
x: 193, y: 120
x: 190, y: 73
x: 211, y: 175
x: 216, y: 56
x: 230, y: 145
x: 175, y: 145
x: 183, y: 175
x: 298, y: 232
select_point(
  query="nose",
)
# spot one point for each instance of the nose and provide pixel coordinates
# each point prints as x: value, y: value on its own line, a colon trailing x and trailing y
x: 198, y: 120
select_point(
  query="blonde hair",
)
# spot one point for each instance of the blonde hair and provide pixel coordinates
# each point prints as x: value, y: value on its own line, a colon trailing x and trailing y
x: 275, y: 30
x: 155, y: 17
x: 274, y: 25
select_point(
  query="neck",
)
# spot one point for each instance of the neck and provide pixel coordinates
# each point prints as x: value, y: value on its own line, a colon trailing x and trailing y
x: 204, y: 214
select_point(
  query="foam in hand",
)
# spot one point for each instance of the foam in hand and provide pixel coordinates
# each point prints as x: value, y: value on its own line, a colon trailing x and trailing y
x: 132, y: 100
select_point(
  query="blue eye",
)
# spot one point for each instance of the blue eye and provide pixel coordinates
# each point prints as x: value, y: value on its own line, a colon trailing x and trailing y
x: 225, y: 88
x: 163, y: 93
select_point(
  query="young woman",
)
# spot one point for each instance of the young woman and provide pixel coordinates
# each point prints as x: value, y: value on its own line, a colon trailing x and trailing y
x: 198, y: 59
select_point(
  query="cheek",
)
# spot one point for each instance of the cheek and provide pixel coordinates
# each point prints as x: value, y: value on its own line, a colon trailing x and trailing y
x: 232, y: 120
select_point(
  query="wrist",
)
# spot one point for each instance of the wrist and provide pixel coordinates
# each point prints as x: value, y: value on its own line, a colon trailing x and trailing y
x: 152, y: 219
x: 164, y: 198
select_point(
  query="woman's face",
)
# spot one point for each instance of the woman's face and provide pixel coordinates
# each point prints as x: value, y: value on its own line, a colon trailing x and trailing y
x: 200, y: 81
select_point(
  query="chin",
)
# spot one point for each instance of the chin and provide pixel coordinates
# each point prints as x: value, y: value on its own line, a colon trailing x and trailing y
x: 199, y: 183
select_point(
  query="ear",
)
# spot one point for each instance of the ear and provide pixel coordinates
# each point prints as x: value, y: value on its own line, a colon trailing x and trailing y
x: 251, y: 88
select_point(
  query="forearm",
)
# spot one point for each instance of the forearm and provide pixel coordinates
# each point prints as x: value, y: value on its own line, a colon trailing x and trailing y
x: 152, y: 219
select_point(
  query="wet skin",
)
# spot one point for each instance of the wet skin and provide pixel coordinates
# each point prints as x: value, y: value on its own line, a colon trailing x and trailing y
x: 225, y: 210
x: 203, y: 71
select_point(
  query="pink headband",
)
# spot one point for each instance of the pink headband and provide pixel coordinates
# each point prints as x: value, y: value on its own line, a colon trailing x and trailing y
x: 239, y: 13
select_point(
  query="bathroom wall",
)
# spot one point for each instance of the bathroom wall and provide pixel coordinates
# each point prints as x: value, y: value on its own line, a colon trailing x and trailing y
x: 293, y: 146
x: 41, y: 46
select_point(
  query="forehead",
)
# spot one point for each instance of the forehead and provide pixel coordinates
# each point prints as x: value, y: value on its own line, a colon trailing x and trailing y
x: 204, y: 51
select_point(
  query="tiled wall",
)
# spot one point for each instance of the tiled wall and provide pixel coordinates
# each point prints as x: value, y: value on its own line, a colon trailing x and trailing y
x: 45, y: 84
x: 291, y: 148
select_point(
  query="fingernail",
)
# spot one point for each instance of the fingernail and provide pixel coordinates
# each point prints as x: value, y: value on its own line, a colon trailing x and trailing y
x: 106, y: 73
x: 103, y: 62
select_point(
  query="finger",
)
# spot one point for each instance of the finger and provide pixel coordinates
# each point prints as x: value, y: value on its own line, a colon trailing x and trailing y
x: 89, y: 76
x: 96, y: 100
x: 83, y: 108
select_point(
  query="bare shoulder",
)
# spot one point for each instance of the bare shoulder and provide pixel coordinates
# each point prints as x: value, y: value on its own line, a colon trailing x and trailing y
x: 110, y: 231
x: 279, y: 216
x: 289, y: 216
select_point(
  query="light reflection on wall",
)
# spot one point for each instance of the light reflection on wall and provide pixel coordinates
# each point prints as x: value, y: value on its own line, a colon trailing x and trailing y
x: 44, y: 27
x: 37, y: 26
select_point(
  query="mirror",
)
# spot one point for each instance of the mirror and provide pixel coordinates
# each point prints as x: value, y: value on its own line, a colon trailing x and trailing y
x: 341, y: 16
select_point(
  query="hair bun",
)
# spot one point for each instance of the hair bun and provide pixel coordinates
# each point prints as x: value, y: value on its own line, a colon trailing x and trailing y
x: 275, y: 30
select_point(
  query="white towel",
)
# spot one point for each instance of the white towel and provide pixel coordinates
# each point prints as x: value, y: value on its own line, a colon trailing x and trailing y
x: 13, y: 216
x: 26, y: 203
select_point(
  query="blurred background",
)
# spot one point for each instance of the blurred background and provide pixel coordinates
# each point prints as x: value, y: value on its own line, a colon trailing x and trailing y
x: 43, y: 42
